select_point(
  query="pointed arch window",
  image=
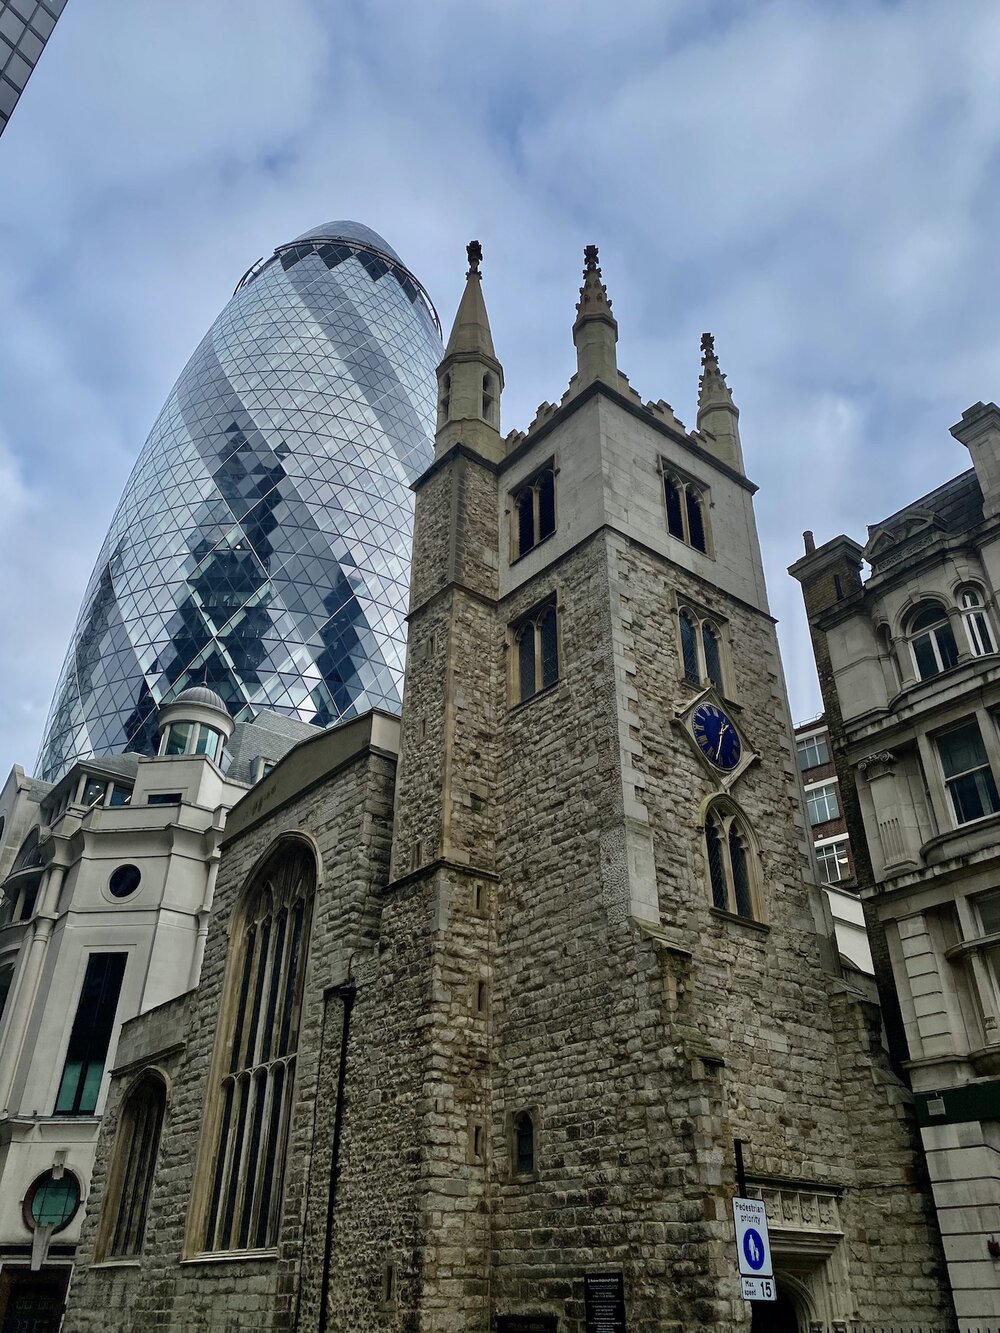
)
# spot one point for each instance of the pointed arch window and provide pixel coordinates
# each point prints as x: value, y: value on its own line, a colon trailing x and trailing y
x: 534, y: 505
x: 733, y: 872
x: 444, y: 400
x: 701, y: 649
x: 976, y: 622
x: 932, y: 640
x: 687, y: 509
x: 123, y: 1223
x: 259, y: 1043
x: 536, y: 640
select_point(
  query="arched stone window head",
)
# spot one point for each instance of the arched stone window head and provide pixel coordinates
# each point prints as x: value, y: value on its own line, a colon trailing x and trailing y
x: 932, y: 640
x: 733, y: 870
x: 130, y: 1185
x: 256, y: 1051
x: 977, y: 626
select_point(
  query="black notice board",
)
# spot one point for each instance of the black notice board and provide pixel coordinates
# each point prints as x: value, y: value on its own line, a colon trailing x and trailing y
x: 604, y: 1302
x: 527, y: 1323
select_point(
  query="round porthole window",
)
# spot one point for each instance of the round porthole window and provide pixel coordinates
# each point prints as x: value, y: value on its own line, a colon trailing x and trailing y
x: 53, y: 1200
x: 124, y: 881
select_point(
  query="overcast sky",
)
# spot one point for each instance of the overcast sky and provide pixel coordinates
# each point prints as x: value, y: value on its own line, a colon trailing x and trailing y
x: 815, y: 181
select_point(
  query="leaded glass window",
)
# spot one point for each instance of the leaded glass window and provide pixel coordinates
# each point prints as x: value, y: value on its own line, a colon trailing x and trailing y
x: 685, y: 501
x: 536, y: 639
x: 732, y: 862
x: 535, y: 510
x: 263, y: 1002
x: 134, y: 1167
x: 689, y: 648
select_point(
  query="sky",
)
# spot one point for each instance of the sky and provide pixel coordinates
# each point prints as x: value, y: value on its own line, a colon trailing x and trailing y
x: 814, y: 181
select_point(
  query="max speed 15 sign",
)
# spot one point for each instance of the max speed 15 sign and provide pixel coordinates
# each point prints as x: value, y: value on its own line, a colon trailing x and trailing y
x: 753, y: 1250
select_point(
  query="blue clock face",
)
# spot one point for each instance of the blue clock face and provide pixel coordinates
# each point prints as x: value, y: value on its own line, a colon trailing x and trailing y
x: 716, y: 736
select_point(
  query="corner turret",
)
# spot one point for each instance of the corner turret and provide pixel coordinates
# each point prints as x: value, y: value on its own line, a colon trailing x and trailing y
x: 470, y: 378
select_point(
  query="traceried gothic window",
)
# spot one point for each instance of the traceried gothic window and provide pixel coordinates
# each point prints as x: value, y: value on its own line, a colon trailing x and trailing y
x: 977, y: 625
x: 732, y: 862
x: 701, y: 649
x: 123, y: 1225
x: 534, y: 510
x: 536, y: 642
x: 259, y: 1037
x: 687, y: 505
x: 932, y: 640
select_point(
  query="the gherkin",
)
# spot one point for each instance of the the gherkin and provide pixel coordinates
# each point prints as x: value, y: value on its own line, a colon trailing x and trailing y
x: 262, y: 544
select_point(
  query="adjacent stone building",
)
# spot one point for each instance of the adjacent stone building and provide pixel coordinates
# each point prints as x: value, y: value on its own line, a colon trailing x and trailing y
x: 910, y: 676
x: 484, y: 1007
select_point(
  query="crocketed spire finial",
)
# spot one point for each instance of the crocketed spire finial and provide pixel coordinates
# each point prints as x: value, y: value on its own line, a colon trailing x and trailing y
x: 475, y: 252
x: 718, y: 415
x: 596, y: 329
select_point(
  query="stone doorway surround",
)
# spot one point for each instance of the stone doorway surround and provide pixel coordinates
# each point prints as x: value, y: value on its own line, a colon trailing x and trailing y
x: 810, y: 1264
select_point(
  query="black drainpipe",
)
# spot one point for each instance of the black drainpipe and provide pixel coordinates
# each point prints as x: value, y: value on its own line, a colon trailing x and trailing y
x: 347, y: 993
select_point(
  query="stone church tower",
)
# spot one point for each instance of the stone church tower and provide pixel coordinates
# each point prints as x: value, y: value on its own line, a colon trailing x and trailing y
x: 595, y: 957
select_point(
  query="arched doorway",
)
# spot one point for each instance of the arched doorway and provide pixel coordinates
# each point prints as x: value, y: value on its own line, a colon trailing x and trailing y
x: 780, y: 1316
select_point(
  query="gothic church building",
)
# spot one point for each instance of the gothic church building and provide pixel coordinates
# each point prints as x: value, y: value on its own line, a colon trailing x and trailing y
x: 487, y: 999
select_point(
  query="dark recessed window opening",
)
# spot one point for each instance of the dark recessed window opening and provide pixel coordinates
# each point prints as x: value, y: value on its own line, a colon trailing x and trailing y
x: 524, y: 1144
x: 91, y: 1035
x: 537, y: 642
x: 137, y: 1147
x: 124, y: 881
x: 535, y: 510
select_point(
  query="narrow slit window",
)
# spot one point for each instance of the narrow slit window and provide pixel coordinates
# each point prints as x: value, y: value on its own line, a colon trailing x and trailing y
x: 713, y: 655
x: 675, y: 508
x: 524, y: 1144
x: 696, y: 521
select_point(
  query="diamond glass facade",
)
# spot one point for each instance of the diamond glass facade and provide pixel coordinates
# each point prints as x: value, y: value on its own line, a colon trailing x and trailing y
x: 25, y: 27
x: 262, y: 544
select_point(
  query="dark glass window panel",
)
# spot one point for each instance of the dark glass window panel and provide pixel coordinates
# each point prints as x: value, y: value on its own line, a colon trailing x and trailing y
x: 675, y: 514
x: 930, y: 615
x: 982, y: 639
x: 91, y: 1034
x: 689, y: 648
x: 524, y: 1144
x: 208, y: 741
x: 716, y: 865
x: 526, y: 661
x: 713, y: 657
x: 524, y: 505
x: 962, y: 749
x: 179, y: 738
x: 124, y: 881
x: 93, y: 791
x: 974, y: 795
x: 6, y: 980
x: 28, y: 899
x: 546, y: 505
x: 947, y: 646
x: 273, y: 1153
x: 549, y: 632
x: 741, y: 873
x: 696, y: 522
x: 120, y: 795
x: 164, y: 798
x: 54, y: 1200
x: 926, y: 658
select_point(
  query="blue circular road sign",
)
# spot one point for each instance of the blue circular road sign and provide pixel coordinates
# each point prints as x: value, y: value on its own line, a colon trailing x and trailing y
x: 753, y: 1249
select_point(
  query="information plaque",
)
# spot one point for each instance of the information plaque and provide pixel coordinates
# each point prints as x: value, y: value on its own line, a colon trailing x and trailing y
x: 527, y: 1323
x: 604, y: 1302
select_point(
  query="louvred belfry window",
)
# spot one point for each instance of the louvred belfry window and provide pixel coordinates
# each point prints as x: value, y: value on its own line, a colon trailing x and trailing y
x: 264, y: 1002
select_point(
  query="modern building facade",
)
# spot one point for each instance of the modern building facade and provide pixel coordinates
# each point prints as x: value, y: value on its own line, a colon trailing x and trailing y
x: 487, y: 999
x: 831, y: 840
x: 25, y: 27
x: 107, y: 878
x: 910, y: 671
x: 262, y: 543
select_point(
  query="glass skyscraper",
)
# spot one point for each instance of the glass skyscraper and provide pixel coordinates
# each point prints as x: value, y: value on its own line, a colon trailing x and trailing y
x: 262, y: 544
x: 25, y: 27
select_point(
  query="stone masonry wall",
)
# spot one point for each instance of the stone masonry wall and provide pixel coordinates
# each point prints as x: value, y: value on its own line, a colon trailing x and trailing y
x: 350, y: 819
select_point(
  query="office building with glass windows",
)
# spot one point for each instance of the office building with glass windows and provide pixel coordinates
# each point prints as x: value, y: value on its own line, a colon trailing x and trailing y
x: 25, y: 27
x: 261, y: 547
x: 909, y: 666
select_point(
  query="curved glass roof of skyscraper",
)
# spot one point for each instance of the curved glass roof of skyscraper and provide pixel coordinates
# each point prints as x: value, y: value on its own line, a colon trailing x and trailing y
x: 262, y: 543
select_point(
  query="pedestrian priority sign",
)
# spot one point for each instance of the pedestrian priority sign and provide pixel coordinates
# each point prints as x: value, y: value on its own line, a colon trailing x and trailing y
x: 753, y: 1248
